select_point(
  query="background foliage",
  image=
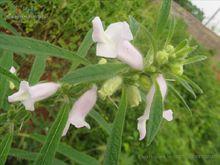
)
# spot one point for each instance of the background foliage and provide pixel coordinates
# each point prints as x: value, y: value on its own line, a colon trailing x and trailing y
x: 189, y: 139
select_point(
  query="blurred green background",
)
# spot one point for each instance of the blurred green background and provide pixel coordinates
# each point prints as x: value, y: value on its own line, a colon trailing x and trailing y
x: 188, y: 139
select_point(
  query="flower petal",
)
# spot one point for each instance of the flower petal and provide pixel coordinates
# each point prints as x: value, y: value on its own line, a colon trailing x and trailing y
x: 107, y: 50
x: 142, y: 126
x: 168, y: 115
x: 82, y: 107
x: 12, y: 70
x: 142, y: 120
x: 163, y: 85
x: 66, y: 128
x: 29, y: 104
x: 128, y: 54
x: 119, y: 31
x: 22, y: 94
x: 98, y: 34
x: 43, y: 90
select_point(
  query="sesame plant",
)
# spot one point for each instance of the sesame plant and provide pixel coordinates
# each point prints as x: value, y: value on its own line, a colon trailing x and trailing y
x: 118, y: 72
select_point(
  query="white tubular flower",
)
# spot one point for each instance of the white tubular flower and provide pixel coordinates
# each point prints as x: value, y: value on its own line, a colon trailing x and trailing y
x: 168, y: 114
x: 114, y: 43
x: 80, y: 110
x: 28, y: 95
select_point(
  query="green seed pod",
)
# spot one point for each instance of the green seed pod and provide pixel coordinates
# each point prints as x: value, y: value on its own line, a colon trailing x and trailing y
x: 133, y: 95
x: 162, y: 57
x: 177, y: 69
x: 110, y: 87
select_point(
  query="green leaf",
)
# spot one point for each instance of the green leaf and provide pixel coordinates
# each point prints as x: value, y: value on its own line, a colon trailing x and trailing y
x: 193, y: 84
x: 194, y: 59
x: 99, y: 119
x: 18, y: 153
x: 115, y: 139
x: 47, y: 152
x: 27, y: 155
x: 37, y: 69
x: 3, y: 118
x: 8, y: 75
x: 134, y: 25
x: 5, y: 146
x: 181, y: 45
x: 67, y: 151
x: 185, y: 84
x: 7, y: 26
x: 163, y: 17
x: 6, y: 61
x: 182, y: 53
x: 93, y: 73
x: 84, y: 48
x: 77, y: 156
x: 36, y: 47
x: 171, y: 31
x: 156, y: 113
x: 179, y: 96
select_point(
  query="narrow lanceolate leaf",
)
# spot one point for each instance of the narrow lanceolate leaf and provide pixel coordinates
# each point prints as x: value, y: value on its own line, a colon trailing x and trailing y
x: 6, y: 62
x: 155, y: 117
x: 68, y: 151
x: 194, y: 59
x: 37, y: 69
x: 115, y: 139
x: 163, y: 16
x: 5, y: 147
x: 93, y: 73
x: 7, y: 26
x: 172, y: 26
x: 101, y: 121
x: 35, y: 47
x: 179, y: 96
x: 47, y: 152
x: 27, y: 155
x: 84, y: 48
x: 134, y: 25
x: 8, y: 75
x: 193, y: 84
x: 186, y: 85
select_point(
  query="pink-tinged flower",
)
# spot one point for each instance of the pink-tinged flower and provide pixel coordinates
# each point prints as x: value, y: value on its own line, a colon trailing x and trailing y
x: 80, y: 110
x: 28, y: 95
x: 114, y: 43
x: 168, y: 114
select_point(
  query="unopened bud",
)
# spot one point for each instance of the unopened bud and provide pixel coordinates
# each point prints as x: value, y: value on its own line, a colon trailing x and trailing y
x: 134, y: 96
x: 110, y: 87
x: 177, y: 69
x: 162, y: 57
x: 171, y: 51
x: 102, y: 61
x: 145, y: 82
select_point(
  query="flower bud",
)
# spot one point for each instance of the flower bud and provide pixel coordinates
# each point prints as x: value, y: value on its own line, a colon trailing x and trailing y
x: 102, y: 61
x: 145, y: 82
x: 171, y: 51
x: 162, y: 57
x: 134, y: 96
x: 110, y: 87
x: 177, y: 69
